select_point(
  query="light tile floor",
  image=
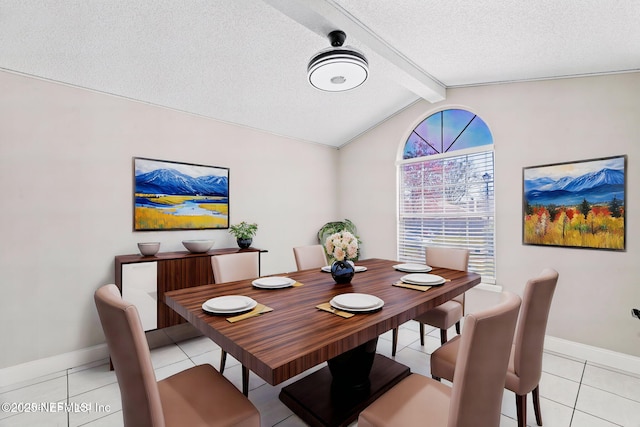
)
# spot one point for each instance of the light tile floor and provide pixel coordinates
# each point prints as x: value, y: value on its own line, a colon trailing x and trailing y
x: 574, y: 393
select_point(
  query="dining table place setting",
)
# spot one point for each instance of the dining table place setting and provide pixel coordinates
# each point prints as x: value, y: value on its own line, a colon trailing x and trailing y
x: 420, y: 281
x: 238, y: 307
x: 348, y: 304
x: 413, y: 268
x: 275, y: 282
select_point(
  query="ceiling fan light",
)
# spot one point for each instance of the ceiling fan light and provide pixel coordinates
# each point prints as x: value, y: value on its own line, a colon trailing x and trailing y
x: 338, y: 72
x: 337, y: 69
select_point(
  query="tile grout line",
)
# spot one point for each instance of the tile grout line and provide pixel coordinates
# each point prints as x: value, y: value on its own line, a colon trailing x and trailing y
x: 604, y: 390
x: 575, y: 403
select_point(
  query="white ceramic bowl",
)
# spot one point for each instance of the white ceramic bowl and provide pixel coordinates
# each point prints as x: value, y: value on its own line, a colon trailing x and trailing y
x: 149, y: 248
x: 197, y: 246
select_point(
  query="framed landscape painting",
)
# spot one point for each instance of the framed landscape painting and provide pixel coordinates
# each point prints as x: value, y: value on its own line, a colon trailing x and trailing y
x: 576, y: 204
x: 179, y: 196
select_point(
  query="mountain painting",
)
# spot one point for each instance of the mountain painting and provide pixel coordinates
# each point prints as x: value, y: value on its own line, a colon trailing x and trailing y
x: 179, y: 196
x: 579, y: 204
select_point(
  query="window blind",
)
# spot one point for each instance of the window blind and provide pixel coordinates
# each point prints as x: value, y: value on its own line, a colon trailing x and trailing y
x: 448, y: 202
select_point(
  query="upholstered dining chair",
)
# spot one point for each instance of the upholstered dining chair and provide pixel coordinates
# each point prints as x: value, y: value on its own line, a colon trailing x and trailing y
x: 308, y: 257
x: 525, y: 364
x: 197, y: 396
x: 232, y: 267
x: 229, y: 268
x: 475, y: 397
x: 449, y: 313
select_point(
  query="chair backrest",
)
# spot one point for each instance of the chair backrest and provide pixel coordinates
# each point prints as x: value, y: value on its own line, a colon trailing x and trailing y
x: 481, y: 364
x: 532, y: 325
x: 309, y: 257
x: 129, y: 351
x: 452, y: 258
x: 232, y: 267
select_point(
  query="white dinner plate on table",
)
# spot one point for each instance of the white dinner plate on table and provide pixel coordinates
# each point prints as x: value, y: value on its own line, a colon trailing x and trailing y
x: 423, y: 279
x: 229, y: 304
x: 274, y: 282
x: 357, y: 268
x: 356, y: 302
x: 413, y: 268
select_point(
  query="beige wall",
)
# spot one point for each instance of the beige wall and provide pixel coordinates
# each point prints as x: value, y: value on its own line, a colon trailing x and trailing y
x: 66, y: 178
x: 532, y: 123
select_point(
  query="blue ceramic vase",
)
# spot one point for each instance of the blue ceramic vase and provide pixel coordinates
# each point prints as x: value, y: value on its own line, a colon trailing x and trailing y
x: 342, y: 271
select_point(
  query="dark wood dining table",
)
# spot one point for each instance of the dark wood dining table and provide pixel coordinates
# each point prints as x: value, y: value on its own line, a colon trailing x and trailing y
x: 296, y: 336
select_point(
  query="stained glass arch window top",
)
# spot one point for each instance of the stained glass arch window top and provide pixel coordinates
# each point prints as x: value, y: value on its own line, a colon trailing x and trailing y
x: 446, y: 131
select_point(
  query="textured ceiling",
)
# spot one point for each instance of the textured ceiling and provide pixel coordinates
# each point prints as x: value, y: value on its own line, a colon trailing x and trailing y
x: 244, y: 61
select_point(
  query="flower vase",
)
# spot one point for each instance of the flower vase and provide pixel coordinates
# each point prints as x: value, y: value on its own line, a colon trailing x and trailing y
x: 342, y: 271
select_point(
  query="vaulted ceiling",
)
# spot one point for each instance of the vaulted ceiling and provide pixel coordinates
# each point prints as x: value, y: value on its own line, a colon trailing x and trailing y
x: 245, y: 61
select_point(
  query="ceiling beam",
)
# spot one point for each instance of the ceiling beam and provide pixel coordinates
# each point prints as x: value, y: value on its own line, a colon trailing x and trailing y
x: 324, y: 16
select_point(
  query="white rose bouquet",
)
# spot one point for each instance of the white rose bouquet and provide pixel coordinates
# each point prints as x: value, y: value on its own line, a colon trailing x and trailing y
x: 342, y: 246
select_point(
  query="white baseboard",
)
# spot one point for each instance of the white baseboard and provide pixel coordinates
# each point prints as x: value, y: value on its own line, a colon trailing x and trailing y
x: 600, y: 356
x: 38, y: 368
x: 488, y: 287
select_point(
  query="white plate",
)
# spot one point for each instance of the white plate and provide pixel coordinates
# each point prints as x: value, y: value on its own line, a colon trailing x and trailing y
x: 357, y: 268
x: 413, y: 268
x: 358, y: 303
x: 274, y: 282
x: 229, y: 304
x: 423, y: 279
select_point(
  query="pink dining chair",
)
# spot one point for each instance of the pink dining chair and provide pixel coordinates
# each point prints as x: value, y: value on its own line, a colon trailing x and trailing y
x: 232, y: 267
x: 449, y: 313
x: 229, y: 268
x: 475, y: 397
x: 308, y: 257
x: 196, y: 396
x: 525, y: 364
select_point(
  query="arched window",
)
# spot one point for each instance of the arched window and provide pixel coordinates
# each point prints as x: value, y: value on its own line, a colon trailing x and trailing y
x: 446, y: 190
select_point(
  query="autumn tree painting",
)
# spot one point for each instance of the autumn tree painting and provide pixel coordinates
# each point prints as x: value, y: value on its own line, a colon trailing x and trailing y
x: 579, y: 204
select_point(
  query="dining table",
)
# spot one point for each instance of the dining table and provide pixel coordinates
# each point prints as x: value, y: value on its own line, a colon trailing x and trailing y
x: 295, y: 335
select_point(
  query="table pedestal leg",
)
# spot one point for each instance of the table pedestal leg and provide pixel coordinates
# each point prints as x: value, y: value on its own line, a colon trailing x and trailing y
x: 350, y: 370
x: 336, y: 394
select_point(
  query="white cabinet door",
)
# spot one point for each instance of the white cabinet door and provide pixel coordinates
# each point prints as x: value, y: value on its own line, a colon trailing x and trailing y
x: 140, y: 287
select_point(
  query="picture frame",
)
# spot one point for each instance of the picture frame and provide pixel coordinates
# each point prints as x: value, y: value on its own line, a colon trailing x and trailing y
x: 169, y: 195
x: 580, y: 204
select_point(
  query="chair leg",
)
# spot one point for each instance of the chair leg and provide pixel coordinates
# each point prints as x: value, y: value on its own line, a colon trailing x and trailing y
x: 458, y: 327
x: 536, y: 404
x: 245, y: 380
x: 422, y: 334
x: 223, y: 361
x: 394, y: 342
x: 521, y: 408
x: 443, y: 336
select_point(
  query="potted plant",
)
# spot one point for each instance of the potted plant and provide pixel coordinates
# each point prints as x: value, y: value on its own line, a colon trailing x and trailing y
x: 244, y: 233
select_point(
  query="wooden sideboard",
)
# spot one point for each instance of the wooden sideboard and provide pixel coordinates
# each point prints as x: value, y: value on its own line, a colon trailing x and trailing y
x: 169, y: 270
